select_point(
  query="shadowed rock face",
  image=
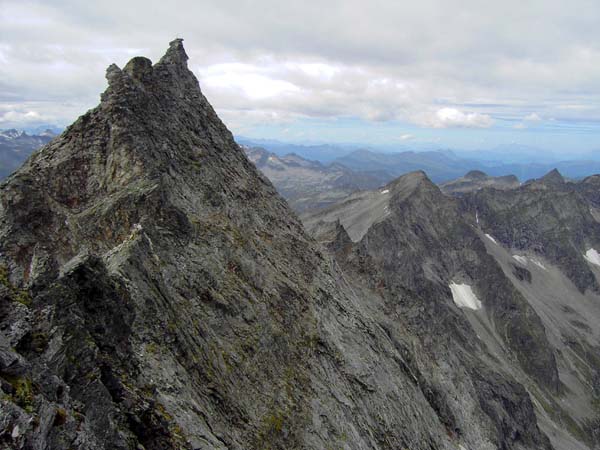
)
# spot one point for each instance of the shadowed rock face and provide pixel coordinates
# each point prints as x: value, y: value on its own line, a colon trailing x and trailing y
x: 156, y: 292
x: 423, y: 245
x: 552, y: 225
x: 549, y: 217
x: 425, y: 241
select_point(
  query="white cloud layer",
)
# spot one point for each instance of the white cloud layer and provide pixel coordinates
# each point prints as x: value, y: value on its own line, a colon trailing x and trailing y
x: 16, y: 116
x: 452, y: 117
x: 434, y: 63
x: 533, y: 117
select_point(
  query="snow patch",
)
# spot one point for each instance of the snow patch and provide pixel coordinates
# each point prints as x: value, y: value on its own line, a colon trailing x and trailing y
x: 525, y: 260
x: 538, y: 263
x: 592, y: 256
x: 463, y: 296
x: 521, y: 259
x: 385, y: 191
x: 491, y: 238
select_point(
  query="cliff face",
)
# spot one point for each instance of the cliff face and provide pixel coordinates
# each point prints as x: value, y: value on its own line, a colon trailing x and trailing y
x: 156, y: 292
x: 505, y: 277
x: 549, y: 217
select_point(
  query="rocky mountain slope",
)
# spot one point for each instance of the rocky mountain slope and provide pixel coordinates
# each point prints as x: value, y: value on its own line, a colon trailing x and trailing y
x: 475, y: 180
x: 307, y: 184
x: 520, y: 266
x: 157, y: 293
x: 16, y: 146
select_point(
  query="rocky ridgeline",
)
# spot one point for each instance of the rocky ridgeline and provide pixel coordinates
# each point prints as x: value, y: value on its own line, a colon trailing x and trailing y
x: 157, y: 293
x: 528, y: 254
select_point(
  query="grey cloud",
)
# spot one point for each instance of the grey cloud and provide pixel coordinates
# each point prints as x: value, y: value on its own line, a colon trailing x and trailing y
x: 417, y: 61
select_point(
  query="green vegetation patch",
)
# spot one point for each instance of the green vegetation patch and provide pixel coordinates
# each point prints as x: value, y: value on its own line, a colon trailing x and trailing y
x: 23, y: 394
x: 16, y: 295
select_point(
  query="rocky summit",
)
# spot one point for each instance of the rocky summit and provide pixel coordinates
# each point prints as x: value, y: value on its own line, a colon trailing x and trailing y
x: 158, y: 293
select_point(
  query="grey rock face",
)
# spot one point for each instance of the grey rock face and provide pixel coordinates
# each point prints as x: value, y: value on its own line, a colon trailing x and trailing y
x: 550, y: 224
x: 424, y: 245
x: 548, y: 217
x: 424, y: 241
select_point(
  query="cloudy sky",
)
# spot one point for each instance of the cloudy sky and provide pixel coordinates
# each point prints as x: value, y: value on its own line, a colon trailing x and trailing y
x: 468, y: 74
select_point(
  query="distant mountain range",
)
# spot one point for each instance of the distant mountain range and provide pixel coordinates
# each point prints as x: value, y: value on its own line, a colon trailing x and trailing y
x: 440, y: 165
x: 322, y: 152
x: 17, y: 145
x: 443, y: 166
x: 343, y: 163
x: 310, y: 184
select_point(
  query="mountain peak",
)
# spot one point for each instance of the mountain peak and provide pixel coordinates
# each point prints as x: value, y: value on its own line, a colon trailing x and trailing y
x: 134, y: 243
x: 152, y: 121
x: 170, y: 73
x: 139, y: 68
x: 476, y: 175
x: 553, y: 176
x: 12, y: 133
x: 410, y: 181
x: 592, y: 180
x: 175, y: 54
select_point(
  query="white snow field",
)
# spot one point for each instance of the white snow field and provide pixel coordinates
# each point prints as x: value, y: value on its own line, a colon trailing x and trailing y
x: 463, y: 296
x: 592, y: 256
